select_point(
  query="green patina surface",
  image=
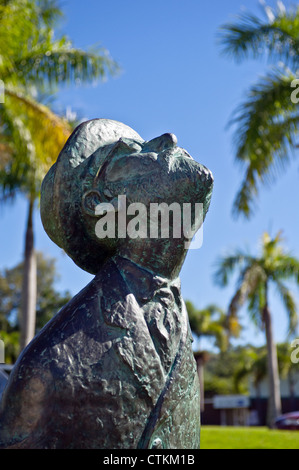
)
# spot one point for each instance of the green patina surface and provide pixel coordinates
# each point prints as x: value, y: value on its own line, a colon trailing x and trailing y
x: 114, y: 368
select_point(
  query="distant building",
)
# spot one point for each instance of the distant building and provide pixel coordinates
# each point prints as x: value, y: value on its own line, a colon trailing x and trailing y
x: 243, y: 410
x: 289, y: 392
x: 227, y: 410
x: 234, y: 409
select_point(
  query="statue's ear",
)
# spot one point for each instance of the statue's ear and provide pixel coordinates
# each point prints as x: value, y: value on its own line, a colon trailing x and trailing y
x: 95, y: 205
x: 91, y: 199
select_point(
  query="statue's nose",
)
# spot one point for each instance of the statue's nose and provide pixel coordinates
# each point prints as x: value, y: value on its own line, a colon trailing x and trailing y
x: 165, y: 141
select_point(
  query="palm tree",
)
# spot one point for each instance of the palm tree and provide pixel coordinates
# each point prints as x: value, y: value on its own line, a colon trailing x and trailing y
x: 32, y: 65
x: 253, y: 364
x: 210, y: 322
x: 32, y: 135
x: 273, y: 266
x: 267, y: 121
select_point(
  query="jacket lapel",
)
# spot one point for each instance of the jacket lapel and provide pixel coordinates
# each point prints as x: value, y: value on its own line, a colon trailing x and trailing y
x: 135, y: 346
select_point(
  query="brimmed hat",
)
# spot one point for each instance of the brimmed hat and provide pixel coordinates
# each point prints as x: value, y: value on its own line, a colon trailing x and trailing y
x: 65, y: 183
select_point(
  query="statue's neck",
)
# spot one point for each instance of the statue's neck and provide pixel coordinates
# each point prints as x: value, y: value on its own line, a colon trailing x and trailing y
x: 162, y: 257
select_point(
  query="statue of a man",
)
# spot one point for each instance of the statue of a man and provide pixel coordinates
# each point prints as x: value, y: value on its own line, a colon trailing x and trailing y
x: 114, y: 368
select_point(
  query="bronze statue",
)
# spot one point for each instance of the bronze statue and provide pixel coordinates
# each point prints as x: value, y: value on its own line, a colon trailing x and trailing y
x: 114, y: 368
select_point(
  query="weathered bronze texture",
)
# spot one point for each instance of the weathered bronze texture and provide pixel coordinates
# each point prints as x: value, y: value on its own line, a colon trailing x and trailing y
x: 114, y: 368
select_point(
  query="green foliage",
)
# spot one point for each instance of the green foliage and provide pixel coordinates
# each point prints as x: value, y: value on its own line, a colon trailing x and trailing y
x: 49, y: 301
x: 30, y: 54
x: 231, y: 437
x: 33, y: 63
x: 266, y: 122
x: 252, y: 364
x: 228, y: 372
x: 267, y: 127
x: 274, y: 266
x: 287, y: 368
x: 211, y: 322
x: 218, y: 375
x: 32, y: 137
x: 276, y: 35
x: 231, y: 372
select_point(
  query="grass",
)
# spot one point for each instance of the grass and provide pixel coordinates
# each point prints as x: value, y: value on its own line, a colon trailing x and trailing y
x: 228, y: 437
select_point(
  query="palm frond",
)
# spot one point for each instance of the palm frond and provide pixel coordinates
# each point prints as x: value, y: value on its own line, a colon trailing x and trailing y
x: 35, y: 135
x: 288, y: 267
x: 289, y: 304
x: 256, y: 302
x: 49, y: 11
x: 259, y: 368
x: 226, y: 266
x: 62, y: 63
x: 209, y: 322
x: 28, y: 52
x: 250, y: 36
x: 15, y: 137
x: 250, y: 282
x: 272, y: 266
x: 267, y: 126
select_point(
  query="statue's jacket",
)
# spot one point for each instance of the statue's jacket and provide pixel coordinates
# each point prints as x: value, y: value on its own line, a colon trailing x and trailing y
x: 114, y: 369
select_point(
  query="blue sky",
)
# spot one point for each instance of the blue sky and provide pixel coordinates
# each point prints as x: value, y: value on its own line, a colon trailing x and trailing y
x: 173, y: 79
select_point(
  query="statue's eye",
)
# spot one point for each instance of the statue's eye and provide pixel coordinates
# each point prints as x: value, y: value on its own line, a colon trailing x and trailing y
x: 130, y: 167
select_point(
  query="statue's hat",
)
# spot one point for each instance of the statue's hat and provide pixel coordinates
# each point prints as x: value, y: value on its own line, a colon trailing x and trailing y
x: 65, y: 183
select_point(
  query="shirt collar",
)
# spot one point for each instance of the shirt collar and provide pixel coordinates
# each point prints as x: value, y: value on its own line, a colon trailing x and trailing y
x: 142, y: 282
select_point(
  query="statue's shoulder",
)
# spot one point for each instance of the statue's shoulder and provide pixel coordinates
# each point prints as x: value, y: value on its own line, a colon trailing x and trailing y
x: 83, y: 314
x: 107, y: 283
x: 60, y: 326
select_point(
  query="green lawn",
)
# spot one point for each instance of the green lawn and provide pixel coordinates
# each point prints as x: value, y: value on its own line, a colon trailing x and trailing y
x: 228, y: 437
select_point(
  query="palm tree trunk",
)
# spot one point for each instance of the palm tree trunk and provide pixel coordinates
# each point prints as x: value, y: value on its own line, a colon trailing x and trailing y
x: 200, y: 371
x: 274, y: 403
x: 28, y: 303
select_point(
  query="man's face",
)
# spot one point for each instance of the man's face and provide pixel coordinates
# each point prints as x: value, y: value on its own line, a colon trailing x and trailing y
x: 101, y: 161
x: 157, y: 171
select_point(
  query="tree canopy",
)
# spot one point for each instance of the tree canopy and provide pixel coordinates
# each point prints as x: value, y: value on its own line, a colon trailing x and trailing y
x: 33, y: 64
x: 266, y: 122
x: 49, y: 300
